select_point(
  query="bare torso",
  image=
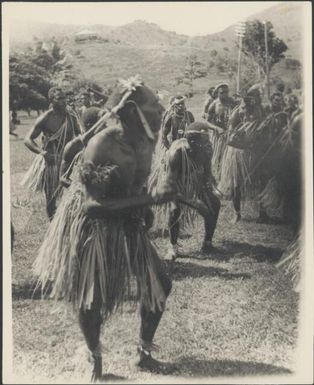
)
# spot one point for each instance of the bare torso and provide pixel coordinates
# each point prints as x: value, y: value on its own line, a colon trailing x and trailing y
x: 132, y: 165
x: 50, y: 123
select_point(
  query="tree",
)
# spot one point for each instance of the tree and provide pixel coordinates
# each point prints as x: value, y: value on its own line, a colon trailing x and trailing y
x: 194, y: 69
x: 253, y: 45
x: 292, y: 63
x: 31, y: 74
x: 28, y: 83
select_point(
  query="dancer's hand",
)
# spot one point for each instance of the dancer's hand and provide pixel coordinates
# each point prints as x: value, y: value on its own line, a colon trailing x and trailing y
x: 165, y: 193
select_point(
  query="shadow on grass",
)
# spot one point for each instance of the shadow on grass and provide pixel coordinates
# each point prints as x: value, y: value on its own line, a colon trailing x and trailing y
x: 112, y: 378
x: 258, y: 252
x: 29, y: 290
x: 269, y: 221
x: 180, y: 271
x: 190, y: 366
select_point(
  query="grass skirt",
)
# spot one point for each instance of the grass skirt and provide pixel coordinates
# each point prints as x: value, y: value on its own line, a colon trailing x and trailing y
x: 291, y: 260
x: 219, y: 143
x: 43, y: 177
x: 235, y: 173
x: 79, y: 253
x: 188, y: 186
x: 271, y: 198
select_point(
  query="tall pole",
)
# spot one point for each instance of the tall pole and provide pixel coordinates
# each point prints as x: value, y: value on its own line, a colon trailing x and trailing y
x: 239, y: 64
x: 266, y: 61
x: 240, y: 32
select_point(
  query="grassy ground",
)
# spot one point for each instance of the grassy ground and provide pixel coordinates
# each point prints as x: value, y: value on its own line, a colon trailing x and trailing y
x: 232, y: 314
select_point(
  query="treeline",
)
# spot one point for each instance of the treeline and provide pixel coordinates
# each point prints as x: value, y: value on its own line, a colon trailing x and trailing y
x: 33, y: 71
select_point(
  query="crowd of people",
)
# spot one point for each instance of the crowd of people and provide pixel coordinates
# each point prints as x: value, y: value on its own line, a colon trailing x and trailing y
x: 110, y: 174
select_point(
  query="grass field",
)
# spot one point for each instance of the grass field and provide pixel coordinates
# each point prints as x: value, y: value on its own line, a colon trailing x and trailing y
x: 231, y: 314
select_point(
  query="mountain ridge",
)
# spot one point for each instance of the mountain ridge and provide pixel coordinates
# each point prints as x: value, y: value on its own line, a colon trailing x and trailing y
x: 146, y: 34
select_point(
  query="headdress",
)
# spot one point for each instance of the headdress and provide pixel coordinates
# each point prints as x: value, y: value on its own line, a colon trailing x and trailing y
x: 127, y: 87
x: 177, y: 99
x: 220, y: 85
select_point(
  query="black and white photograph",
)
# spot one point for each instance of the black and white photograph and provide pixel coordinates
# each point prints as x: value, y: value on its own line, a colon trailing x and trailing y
x: 157, y: 192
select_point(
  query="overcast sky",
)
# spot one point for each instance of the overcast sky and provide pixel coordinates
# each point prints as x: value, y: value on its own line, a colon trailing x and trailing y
x: 189, y: 18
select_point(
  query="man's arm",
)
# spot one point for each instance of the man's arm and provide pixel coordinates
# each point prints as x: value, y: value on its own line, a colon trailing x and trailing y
x: 78, y: 129
x: 166, y: 128
x: 190, y: 117
x: 234, y: 119
x: 211, y: 111
x: 209, y: 178
x: 207, y: 103
x: 71, y: 149
x: 95, y: 205
x: 33, y: 134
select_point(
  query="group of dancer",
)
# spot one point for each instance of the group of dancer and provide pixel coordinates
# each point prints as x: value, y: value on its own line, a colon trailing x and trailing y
x: 108, y: 184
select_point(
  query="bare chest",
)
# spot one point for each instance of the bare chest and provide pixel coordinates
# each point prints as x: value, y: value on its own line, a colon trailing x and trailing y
x: 132, y: 167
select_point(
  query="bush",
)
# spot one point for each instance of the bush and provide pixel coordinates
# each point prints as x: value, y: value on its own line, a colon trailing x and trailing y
x: 292, y: 63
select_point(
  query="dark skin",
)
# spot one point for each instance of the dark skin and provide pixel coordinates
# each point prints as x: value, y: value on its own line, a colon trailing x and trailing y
x: 199, y: 149
x: 251, y: 110
x: 175, y: 124
x: 48, y: 124
x: 218, y: 107
x: 129, y: 148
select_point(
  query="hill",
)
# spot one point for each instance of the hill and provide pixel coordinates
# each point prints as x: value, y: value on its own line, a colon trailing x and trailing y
x: 159, y: 55
x: 144, y: 34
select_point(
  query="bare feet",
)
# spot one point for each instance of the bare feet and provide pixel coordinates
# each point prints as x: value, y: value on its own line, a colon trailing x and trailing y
x: 147, y: 363
x: 207, y: 248
x: 97, y: 370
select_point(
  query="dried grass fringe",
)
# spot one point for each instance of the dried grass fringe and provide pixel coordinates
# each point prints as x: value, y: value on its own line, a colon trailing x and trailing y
x: 188, y: 186
x: 271, y: 199
x: 235, y: 172
x: 42, y: 177
x: 219, y: 143
x: 78, y: 251
x: 291, y: 259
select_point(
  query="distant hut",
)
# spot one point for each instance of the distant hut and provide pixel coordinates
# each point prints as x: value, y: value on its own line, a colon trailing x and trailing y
x: 86, y: 35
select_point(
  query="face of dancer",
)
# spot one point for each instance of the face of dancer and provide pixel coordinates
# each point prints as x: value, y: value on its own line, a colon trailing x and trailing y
x: 151, y: 108
x: 291, y: 103
x: 180, y: 107
x: 252, y: 101
x: 197, y: 141
x: 58, y: 101
x: 223, y: 93
x: 276, y: 103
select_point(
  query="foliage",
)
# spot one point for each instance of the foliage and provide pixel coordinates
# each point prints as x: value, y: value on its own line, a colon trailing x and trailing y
x: 253, y: 44
x: 34, y: 71
x: 291, y: 63
x: 31, y: 73
x: 28, y: 83
x: 194, y: 69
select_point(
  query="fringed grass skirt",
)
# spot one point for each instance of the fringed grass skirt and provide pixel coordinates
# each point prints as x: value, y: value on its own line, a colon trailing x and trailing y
x: 235, y: 173
x: 42, y: 177
x: 188, y: 186
x: 219, y: 143
x: 79, y: 253
x: 56, y: 260
x: 271, y: 198
x: 291, y: 260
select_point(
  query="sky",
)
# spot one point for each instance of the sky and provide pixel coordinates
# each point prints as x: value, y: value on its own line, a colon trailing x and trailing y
x: 190, y: 18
